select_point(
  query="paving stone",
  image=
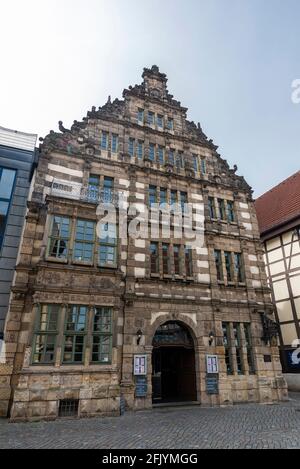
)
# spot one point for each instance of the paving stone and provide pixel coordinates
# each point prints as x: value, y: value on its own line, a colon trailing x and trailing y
x: 244, y: 426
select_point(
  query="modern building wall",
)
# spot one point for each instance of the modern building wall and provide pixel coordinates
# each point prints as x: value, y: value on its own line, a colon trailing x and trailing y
x: 16, y: 158
x: 79, y: 315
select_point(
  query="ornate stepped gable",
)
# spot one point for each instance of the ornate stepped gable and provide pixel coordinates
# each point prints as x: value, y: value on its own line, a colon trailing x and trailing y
x: 131, y: 310
x: 78, y: 140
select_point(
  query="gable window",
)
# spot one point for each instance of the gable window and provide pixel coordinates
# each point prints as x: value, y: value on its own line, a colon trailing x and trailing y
x: 152, y: 152
x: 239, y: 269
x: 102, y: 335
x: 221, y: 207
x: 58, y: 245
x: 141, y: 116
x: 211, y: 206
x: 179, y: 160
x: 160, y: 121
x: 131, y: 147
x: 230, y: 211
x: 170, y: 124
x: 94, y: 186
x: 228, y: 265
x: 218, y: 262
x: 174, y: 197
x: 115, y: 143
x: 151, y: 118
x: 171, y: 157
x: 152, y: 195
x: 7, y: 180
x: 195, y: 163
x: 84, y: 240
x: 154, y: 258
x: 161, y: 156
x: 104, y: 140
x: 140, y: 149
x: 163, y: 196
x: 188, y: 262
x: 46, y: 330
x: 75, y: 334
x: 166, y: 259
x: 108, y: 185
x: 184, y: 201
x: 176, y: 250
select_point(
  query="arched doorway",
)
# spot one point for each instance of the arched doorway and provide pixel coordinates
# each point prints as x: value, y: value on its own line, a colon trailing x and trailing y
x: 173, y: 364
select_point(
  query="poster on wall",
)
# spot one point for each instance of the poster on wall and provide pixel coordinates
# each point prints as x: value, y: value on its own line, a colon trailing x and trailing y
x: 212, y: 364
x: 140, y: 365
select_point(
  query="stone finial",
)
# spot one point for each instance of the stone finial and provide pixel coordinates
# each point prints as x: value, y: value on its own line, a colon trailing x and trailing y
x: 155, y: 69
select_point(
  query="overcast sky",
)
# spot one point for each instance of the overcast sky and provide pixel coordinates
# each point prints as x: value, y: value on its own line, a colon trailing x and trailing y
x: 231, y: 62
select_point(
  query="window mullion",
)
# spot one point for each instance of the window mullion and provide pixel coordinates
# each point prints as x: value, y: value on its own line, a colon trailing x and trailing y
x: 60, y: 335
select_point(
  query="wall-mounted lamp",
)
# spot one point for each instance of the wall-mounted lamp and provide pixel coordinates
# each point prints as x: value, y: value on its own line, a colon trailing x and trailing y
x: 211, y: 338
x: 139, y: 335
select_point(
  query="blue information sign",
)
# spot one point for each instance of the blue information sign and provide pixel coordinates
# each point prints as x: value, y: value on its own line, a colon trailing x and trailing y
x: 141, y: 386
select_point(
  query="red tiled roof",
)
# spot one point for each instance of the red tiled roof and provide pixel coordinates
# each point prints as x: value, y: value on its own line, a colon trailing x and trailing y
x: 280, y: 205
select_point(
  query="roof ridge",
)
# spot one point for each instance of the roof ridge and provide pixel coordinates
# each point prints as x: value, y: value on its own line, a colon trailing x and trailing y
x: 278, y: 185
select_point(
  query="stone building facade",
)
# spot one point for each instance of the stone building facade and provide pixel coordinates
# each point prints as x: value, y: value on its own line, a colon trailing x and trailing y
x: 86, y: 310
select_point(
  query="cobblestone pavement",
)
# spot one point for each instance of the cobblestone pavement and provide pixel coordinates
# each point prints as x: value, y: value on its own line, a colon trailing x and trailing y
x: 245, y: 426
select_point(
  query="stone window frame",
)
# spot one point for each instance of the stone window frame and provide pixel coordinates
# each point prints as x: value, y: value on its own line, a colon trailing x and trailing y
x: 219, y: 265
x: 97, y: 243
x: 161, y: 156
x: 151, y: 118
x: 160, y: 117
x: 238, y: 276
x: 60, y: 332
x: 114, y: 143
x: 241, y: 346
x: 170, y: 124
x: 131, y: 147
x: 213, y: 204
x: 181, y: 199
x: 183, y: 272
x: 141, y: 116
x: 152, y: 152
x: 229, y: 266
x: 203, y: 165
x: 140, y: 153
x: 104, y: 140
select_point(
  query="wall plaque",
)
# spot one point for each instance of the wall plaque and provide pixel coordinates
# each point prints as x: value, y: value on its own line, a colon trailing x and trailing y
x: 141, y: 386
x: 212, y: 385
